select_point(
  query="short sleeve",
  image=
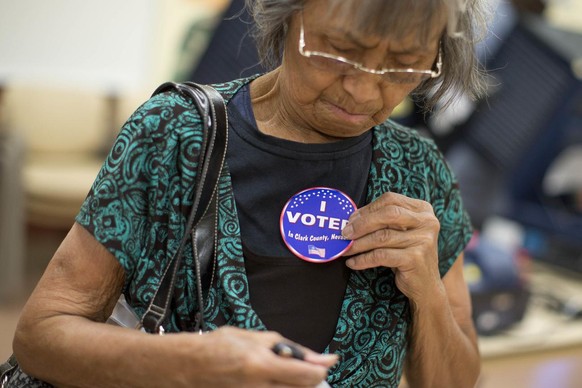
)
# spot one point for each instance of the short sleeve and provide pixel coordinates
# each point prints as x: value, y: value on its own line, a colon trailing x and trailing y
x: 138, y: 203
x: 455, y: 224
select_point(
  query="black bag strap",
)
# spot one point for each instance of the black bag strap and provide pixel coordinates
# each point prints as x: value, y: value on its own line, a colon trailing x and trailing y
x: 212, y: 109
x: 6, y: 369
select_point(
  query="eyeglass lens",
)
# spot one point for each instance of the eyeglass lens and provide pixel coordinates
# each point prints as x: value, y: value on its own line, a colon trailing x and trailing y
x: 344, y: 68
x: 323, y: 60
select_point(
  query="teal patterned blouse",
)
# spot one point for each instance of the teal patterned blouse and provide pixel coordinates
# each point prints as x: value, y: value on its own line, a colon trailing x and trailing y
x: 138, y: 206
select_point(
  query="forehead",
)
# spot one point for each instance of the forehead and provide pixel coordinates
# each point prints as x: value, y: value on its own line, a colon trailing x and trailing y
x: 422, y: 21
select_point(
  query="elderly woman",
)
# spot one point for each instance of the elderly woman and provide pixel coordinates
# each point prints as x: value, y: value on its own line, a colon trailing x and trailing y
x: 394, y: 302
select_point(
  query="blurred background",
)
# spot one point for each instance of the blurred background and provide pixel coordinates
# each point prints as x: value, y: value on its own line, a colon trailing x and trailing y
x: 72, y: 72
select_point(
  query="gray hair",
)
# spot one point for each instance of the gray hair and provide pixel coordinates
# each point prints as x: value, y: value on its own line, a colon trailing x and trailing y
x: 467, y: 20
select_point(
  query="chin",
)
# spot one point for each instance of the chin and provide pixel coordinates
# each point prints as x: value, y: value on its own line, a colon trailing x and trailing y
x: 343, y: 132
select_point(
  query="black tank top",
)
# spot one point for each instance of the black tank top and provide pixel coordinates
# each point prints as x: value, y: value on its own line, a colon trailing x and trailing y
x: 299, y: 299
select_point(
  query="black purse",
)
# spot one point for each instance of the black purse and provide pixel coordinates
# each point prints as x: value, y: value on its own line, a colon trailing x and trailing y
x: 203, y: 216
x: 201, y: 228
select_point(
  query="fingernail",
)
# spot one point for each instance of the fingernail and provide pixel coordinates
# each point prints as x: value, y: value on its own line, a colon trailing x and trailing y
x: 327, y: 359
x: 348, y: 231
x: 350, y: 262
x: 330, y: 357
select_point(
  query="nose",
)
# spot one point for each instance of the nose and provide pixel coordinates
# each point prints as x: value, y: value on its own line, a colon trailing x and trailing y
x: 363, y: 87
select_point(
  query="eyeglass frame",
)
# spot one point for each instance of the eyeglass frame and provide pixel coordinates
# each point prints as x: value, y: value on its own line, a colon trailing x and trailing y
x: 359, y: 66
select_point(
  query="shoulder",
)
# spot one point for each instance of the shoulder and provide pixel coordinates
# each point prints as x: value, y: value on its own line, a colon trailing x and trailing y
x: 162, y: 115
x: 391, y: 133
x: 406, y: 147
x: 229, y: 89
x: 168, y: 126
x: 172, y: 111
x: 412, y: 162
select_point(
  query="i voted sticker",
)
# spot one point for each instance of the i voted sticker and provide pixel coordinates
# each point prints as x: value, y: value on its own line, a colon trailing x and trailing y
x: 312, y: 222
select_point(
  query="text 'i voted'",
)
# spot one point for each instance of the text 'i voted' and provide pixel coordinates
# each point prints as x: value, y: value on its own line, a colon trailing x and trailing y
x: 312, y: 222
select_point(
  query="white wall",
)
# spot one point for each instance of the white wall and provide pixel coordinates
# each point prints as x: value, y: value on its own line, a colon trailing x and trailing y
x: 105, y: 45
x: 565, y: 13
x: 81, y: 50
x: 102, y: 45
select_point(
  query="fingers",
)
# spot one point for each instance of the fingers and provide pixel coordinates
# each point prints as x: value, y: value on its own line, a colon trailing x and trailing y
x: 392, y: 238
x: 387, y: 199
x: 288, y: 350
x: 393, y: 258
x: 302, y: 358
x: 391, y: 211
x: 249, y: 358
x: 393, y: 231
x: 325, y: 360
x: 296, y: 372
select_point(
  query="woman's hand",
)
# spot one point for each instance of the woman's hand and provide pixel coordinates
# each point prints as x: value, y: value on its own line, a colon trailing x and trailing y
x: 232, y: 357
x: 61, y: 324
x: 400, y: 233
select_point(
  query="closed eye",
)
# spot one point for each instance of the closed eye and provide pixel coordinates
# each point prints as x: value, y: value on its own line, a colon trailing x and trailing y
x: 407, y: 60
x: 343, y: 48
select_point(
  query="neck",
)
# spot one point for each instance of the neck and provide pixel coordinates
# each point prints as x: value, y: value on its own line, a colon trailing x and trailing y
x: 276, y: 116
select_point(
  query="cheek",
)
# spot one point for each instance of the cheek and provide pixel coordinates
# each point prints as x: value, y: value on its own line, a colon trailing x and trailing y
x: 305, y: 84
x: 308, y: 85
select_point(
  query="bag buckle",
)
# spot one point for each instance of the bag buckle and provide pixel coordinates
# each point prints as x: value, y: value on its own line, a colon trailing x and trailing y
x: 4, y: 379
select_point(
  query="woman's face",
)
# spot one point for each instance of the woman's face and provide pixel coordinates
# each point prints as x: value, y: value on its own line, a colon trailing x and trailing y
x: 337, y: 105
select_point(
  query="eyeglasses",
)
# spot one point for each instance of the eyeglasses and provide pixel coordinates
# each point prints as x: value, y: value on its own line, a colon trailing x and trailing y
x: 344, y: 66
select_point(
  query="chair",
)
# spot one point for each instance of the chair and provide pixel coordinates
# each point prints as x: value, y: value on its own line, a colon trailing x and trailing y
x: 63, y: 133
x: 11, y: 216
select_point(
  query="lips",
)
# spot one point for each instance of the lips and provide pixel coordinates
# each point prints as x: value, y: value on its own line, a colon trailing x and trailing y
x: 347, y: 115
x: 350, y: 113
